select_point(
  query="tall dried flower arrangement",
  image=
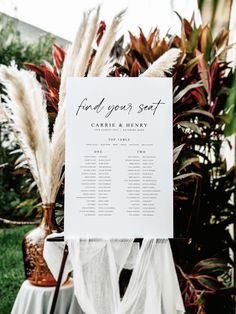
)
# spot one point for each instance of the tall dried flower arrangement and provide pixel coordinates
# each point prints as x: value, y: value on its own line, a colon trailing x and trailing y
x: 25, y: 105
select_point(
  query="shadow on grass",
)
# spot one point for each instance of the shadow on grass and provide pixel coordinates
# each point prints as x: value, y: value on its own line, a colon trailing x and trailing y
x: 11, y: 265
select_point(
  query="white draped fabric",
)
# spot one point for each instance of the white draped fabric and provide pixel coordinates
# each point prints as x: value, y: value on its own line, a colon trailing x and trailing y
x: 37, y: 300
x: 96, y: 264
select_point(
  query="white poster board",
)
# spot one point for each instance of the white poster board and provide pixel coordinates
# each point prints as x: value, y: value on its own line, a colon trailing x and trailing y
x: 119, y: 148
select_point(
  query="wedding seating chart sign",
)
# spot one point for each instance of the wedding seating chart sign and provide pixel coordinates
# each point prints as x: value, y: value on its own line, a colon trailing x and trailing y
x: 119, y: 167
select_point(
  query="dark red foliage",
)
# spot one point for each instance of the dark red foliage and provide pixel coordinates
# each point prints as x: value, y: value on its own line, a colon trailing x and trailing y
x: 100, y: 32
x: 50, y: 77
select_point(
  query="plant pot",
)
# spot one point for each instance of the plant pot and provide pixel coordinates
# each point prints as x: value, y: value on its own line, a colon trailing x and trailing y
x: 36, y: 269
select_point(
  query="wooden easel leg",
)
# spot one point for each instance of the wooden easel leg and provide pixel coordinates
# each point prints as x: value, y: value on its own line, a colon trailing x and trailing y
x: 56, y: 292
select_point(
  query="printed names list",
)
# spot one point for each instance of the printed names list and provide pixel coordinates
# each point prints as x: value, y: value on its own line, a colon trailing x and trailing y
x: 138, y: 187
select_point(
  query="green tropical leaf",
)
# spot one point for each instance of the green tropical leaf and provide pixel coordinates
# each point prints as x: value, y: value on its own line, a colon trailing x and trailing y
x: 188, y: 162
x: 187, y: 175
x: 198, y: 112
x: 177, y: 151
x: 190, y: 125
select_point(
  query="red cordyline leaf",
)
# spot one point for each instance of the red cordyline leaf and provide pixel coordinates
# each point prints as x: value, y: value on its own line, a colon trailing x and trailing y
x: 135, y: 70
x: 117, y: 73
x: 152, y: 36
x: 145, y: 49
x: 100, y: 32
x: 213, y: 73
x: 209, y: 283
x: 50, y: 82
x: 199, y: 96
x: 91, y: 58
x: 204, y: 71
x: 133, y: 42
x: 58, y: 55
x: 205, y: 38
x: 53, y: 101
x: 51, y: 79
x: 214, y: 106
x: 46, y: 73
x: 191, y: 297
x: 50, y: 76
x: 186, y: 26
x: 197, y: 283
x: 210, y: 264
x: 38, y: 69
x: 53, y: 92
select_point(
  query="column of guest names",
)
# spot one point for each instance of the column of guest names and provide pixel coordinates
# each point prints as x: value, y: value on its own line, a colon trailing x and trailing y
x: 141, y: 184
x: 96, y: 172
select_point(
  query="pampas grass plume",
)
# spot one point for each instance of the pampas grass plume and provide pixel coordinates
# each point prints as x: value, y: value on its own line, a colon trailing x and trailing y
x: 163, y: 65
x: 105, y: 46
x: 27, y: 108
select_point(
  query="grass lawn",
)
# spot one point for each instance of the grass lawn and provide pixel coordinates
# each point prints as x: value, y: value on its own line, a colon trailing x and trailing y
x: 11, y: 265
